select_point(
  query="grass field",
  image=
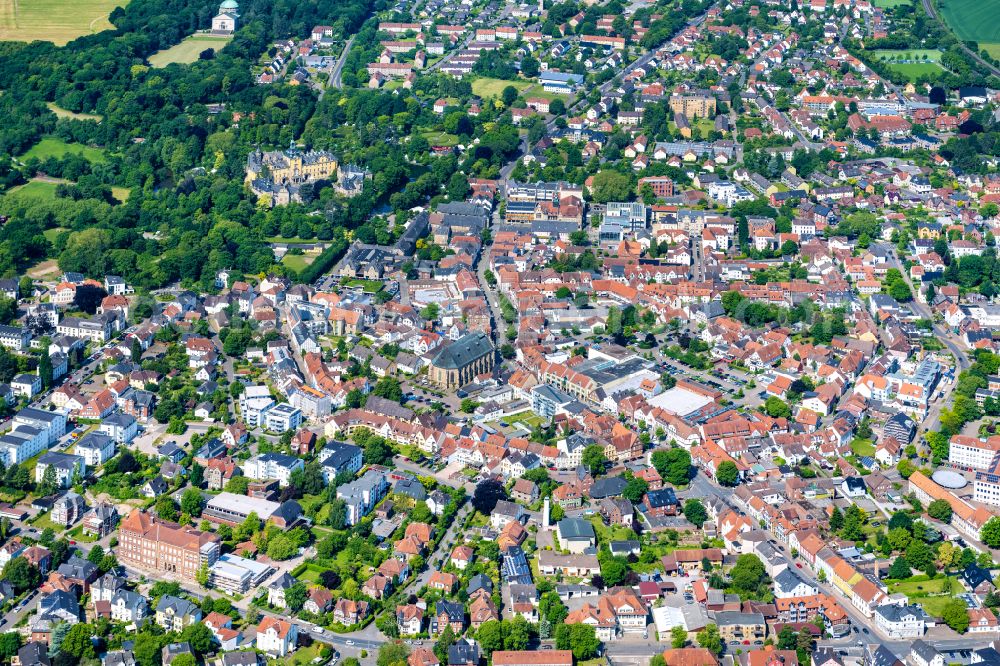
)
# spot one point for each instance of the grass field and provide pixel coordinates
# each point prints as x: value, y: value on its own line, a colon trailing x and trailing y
x: 308, y: 572
x: 909, y: 55
x: 440, y: 138
x: 885, y: 4
x: 52, y: 234
x: 992, y: 48
x: 63, y: 113
x: 297, y: 262
x: 931, y: 595
x: 971, y: 19
x: 53, y: 147
x: 57, y: 21
x: 915, y: 70
x: 862, y: 447
x: 911, y: 63
x: 487, y: 87
x: 187, y: 51
x: 35, y: 189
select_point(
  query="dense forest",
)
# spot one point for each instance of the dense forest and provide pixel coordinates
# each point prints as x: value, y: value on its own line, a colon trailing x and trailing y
x: 187, y: 214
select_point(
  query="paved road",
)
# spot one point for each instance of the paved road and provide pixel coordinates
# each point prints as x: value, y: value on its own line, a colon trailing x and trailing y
x: 929, y: 8
x: 338, y: 69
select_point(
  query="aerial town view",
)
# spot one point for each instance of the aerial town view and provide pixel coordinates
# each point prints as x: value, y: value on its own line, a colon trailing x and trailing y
x: 499, y: 332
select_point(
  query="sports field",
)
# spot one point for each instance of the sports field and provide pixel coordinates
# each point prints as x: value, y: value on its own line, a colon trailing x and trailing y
x: 188, y: 50
x: 53, y: 147
x: 57, y: 21
x: 912, y: 63
x: 974, y: 20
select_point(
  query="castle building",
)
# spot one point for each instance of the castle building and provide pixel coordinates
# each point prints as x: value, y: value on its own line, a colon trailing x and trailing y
x: 280, y: 174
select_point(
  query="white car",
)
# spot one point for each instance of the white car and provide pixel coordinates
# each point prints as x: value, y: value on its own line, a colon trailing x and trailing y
x: 349, y: 642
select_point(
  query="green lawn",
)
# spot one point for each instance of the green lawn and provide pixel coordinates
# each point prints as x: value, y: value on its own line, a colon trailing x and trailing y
x: 912, y: 63
x: 121, y: 193
x: 486, y: 87
x: 862, y: 447
x: 931, y: 595
x: 35, y: 189
x: 53, y: 147
x: 302, y: 656
x: 885, y: 4
x: 297, y: 262
x: 907, y: 55
x: 187, y: 51
x: 915, y: 70
x: 52, y: 234
x: 371, y: 286
x: 440, y: 138
x: 993, y: 48
x: 308, y: 572
x: 64, y: 113
x: 44, y: 520
x: 294, y: 240
x: 971, y: 19
x: 57, y: 21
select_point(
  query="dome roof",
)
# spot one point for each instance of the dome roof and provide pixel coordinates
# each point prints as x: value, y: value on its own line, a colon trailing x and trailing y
x: 228, y: 4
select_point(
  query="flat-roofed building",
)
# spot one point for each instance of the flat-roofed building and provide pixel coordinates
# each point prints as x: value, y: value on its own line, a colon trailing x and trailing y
x: 235, y: 575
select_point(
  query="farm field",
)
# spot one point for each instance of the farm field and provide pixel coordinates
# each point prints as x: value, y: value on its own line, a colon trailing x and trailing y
x: 993, y: 48
x: 971, y: 19
x: 187, y: 51
x: 53, y: 147
x: 56, y: 21
x: 64, y: 113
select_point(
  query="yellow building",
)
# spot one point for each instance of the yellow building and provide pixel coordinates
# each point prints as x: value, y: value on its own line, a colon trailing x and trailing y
x: 697, y: 105
x: 290, y: 166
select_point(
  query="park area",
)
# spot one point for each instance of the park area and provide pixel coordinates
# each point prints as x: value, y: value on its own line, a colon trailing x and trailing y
x: 56, y: 21
x: 188, y: 50
x: 53, y: 147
